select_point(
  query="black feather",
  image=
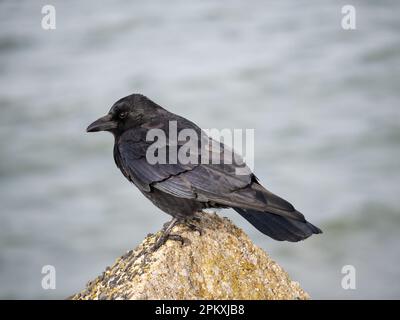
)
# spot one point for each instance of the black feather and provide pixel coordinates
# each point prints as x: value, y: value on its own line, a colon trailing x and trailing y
x: 182, y: 189
x: 278, y: 227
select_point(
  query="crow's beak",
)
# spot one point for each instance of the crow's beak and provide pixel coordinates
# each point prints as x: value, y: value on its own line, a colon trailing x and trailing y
x: 102, y: 124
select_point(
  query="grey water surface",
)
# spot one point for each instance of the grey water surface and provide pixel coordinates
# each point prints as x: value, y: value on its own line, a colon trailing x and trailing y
x: 324, y: 103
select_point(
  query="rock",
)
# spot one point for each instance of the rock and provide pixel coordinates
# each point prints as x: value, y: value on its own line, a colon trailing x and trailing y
x: 222, y: 263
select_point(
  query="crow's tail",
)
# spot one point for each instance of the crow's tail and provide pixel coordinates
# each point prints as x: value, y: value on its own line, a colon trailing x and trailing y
x: 279, y: 227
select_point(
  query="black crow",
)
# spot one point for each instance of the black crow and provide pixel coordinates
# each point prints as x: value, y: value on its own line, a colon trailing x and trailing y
x: 183, y: 189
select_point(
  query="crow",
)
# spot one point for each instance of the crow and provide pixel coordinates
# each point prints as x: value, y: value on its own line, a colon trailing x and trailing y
x: 184, y: 188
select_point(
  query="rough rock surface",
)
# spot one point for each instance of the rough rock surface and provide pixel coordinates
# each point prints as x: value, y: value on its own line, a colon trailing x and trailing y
x: 222, y: 263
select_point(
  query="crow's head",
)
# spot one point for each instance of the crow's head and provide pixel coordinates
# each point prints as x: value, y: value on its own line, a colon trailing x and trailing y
x: 126, y: 113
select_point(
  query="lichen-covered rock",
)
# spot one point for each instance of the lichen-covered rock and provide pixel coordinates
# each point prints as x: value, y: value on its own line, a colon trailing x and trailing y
x: 222, y: 263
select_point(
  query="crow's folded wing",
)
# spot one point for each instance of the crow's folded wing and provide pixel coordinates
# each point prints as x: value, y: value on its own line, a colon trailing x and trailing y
x: 183, y: 179
x: 214, y: 183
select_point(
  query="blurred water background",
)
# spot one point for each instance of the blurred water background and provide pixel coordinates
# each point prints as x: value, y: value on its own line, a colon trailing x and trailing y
x: 324, y: 103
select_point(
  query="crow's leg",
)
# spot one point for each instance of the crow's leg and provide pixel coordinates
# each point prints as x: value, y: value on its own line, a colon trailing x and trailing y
x: 166, y: 234
x: 196, y: 218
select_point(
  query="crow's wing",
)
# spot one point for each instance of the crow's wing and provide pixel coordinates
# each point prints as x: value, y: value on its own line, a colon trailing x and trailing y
x: 208, y: 183
x: 213, y: 183
x: 130, y: 156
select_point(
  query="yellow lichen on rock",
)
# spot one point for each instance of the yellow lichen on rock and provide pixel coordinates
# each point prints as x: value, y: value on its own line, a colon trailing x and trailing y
x: 222, y: 263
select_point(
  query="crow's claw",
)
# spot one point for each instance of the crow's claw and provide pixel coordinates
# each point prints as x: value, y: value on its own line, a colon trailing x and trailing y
x: 193, y: 227
x: 164, y: 238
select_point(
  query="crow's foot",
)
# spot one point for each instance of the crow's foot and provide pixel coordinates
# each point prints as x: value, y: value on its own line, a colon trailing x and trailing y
x: 167, y: 235
x: 192, y: 226
x: 164, y: 238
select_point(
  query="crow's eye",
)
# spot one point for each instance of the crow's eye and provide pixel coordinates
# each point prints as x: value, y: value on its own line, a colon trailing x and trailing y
x: 122, y: 115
